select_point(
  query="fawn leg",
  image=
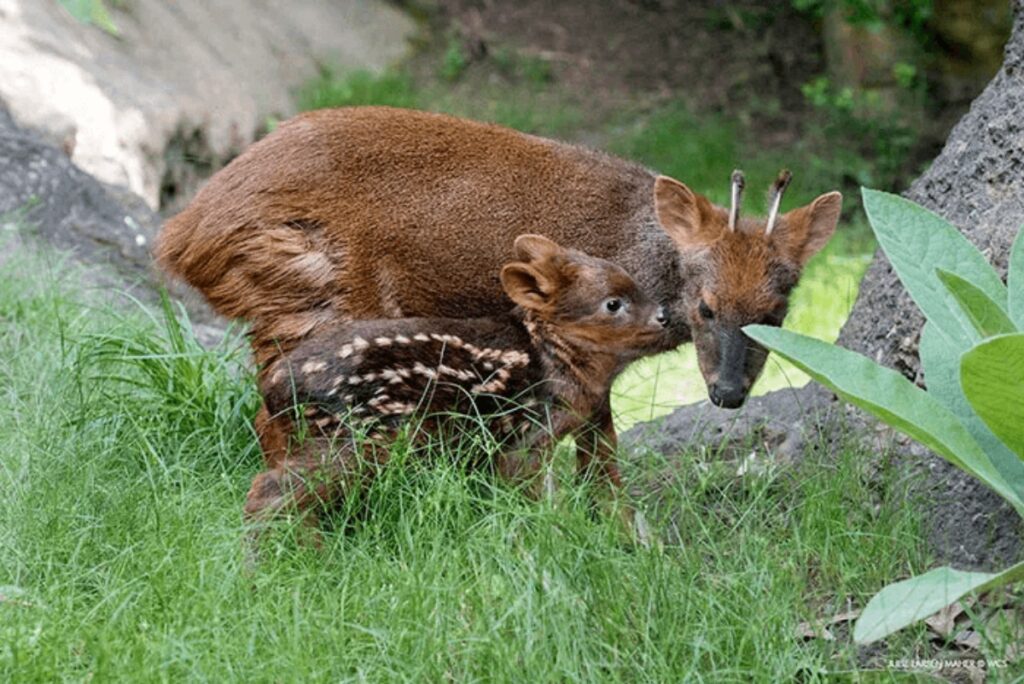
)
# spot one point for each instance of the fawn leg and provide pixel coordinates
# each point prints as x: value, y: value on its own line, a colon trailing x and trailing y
x: 522, y: 464
x: 596, y: 443
x: 522, y: 467
x: 302, y: 483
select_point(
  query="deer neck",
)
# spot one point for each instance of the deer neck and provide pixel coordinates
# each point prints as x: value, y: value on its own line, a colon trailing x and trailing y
x: 579, y: 377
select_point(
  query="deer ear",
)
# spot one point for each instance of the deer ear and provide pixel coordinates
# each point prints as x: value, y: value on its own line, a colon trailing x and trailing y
x: 527, y: 286
x: 532, y: 247
x: 684, y: 214
x: 802, y: 232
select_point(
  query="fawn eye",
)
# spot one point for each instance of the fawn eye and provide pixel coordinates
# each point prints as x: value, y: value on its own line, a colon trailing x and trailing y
x: 613, y: 305
x: 705, y: 311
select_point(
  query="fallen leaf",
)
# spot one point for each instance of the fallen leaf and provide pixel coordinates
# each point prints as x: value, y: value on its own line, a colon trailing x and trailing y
x: 848, y: 616
x: 820, y: 628
x: 807, y: 632
x: 968, y: 639
x: 943, y: 623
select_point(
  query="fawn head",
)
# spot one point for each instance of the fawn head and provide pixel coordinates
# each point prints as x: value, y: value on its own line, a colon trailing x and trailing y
x: 589, y: 302
x: 737, y: 272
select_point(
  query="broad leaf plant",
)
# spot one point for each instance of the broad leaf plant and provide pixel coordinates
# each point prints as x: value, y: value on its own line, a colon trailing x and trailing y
x: 972, y: 355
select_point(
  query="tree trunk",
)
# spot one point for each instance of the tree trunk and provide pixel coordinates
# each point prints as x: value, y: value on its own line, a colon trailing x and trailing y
x: 977, y: 183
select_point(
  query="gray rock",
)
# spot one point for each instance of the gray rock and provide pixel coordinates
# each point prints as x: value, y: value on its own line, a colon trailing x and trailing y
x: 977, y: 183
x: 44, y: 193
x: 781, y: 424
x: 184, y: 85
x: 45, y: 197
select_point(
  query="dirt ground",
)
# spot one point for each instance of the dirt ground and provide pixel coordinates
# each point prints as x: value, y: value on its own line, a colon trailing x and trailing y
x: 744, y: 59
x: 739, y: 58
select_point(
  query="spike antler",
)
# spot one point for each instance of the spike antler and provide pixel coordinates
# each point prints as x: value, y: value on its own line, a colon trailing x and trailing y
x: 775, y: 198
x: 738, y: 183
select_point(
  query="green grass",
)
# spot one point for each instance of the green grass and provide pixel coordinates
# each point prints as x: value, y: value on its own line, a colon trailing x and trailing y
x: 126, y: 453
x: 530, y: 109
x: 392, y: 89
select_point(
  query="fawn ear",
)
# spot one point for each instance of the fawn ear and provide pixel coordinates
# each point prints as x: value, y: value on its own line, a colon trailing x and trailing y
x: 532, y: 247
x: 802, y: 232
x: 683, y: 214
x: 528, y: 286
x: 533, y: 281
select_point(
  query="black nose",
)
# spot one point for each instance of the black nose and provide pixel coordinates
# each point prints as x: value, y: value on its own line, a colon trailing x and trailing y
x: 661, y: 316
x: 727, y: 395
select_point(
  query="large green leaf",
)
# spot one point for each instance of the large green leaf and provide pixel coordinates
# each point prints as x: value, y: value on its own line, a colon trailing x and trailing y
x: 1015, y: 281
x: 992, y: 375
x: 906, y: 602
x: 983, y: 313
x: 917, y: 241
x: 889, y: 396
x: 940, y: 360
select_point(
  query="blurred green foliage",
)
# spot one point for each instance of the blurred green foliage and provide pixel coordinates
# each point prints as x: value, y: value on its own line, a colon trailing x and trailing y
x: 911, y: 15
x: 455, y: 60
x: 94, y: 12
x: 521, y: 111
x: 393, y: 89
x: 870, y: 138
x: 513, y: 64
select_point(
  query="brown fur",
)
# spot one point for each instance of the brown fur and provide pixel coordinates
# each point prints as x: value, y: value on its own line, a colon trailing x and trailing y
x: 373, y: 212
x: 381, y: 196
x: 536, y: 374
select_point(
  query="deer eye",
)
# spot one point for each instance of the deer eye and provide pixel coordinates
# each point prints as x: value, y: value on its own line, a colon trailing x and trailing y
x: 613, y: 305
x: 705, y: 311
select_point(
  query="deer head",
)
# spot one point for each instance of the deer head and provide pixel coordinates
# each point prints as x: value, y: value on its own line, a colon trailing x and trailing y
x: 738, y: 271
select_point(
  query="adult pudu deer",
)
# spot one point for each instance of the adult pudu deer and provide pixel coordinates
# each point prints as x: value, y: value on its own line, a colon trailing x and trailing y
x: 373, y: 212
x: 534, y: 375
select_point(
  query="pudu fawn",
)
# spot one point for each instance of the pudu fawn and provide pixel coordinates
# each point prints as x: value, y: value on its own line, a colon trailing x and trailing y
x: 536, y: 374
x: 373, y: 212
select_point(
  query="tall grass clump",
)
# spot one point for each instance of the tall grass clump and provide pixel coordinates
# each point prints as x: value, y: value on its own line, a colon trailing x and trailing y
x: 155, y: 359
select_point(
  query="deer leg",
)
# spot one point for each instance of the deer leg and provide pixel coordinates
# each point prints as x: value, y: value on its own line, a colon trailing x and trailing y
x: 273, y: 433
x: 596, y: 443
